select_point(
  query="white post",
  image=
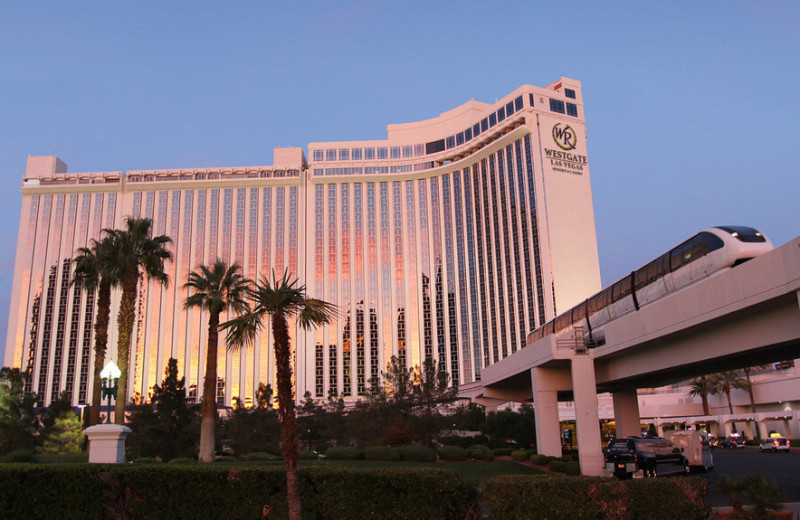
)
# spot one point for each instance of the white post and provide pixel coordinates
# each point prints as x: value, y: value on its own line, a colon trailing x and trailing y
x: 107, y: 443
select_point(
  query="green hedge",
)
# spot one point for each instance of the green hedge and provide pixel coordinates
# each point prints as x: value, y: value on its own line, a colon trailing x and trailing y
x: 417, y: 453
x: 480, y: 452
x: 344, y: 453
x: 519, y: 455
x: 572, y: 468
x: 308, y: 455
x: 514, y: 497
x: 557, y: 466
x: 85, y: 491
x: 502, y: 452
x: 452, y: 453
x: 384, y: 453
x: 539, y: 460
x: 261, y: 456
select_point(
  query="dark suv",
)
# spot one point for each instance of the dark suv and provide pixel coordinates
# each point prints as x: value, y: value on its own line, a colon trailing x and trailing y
x: 652, y: 455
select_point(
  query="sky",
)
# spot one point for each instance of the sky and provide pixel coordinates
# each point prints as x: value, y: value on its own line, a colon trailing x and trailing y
x: 691, y: 107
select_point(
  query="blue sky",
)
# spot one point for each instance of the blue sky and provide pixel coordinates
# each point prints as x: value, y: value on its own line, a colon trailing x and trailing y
x: 692, y: 107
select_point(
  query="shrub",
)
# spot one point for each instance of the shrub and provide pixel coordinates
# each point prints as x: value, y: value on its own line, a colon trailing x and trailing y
x: 455, y: 440
x: 145, y: 460
x: 226, y: 459
x: 62, y: 458
x: 308, y: 455
x: 519, y: 455
x: 480, y: 452
x: 539, y: 460
x: 572, y: 468
x: 384, y: 453
x: 344, y: 453
x: 260, y: 456
x: 181, y: 460
x: 167, y: 492
x: 513, y: 497
x: 417, y: 453
x: 557, y: 466
x: 22, y: 455
x: 452, y: 453
x: 502, y: 452
x: 530, y: 451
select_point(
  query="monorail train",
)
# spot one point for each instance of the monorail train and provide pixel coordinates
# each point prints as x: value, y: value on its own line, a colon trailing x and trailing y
x: 711, y: 251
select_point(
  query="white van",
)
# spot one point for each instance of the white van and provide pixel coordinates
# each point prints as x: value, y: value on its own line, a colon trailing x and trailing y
x: 694, y: 446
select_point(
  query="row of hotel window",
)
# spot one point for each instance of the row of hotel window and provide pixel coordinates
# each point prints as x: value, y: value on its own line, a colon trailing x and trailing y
x: 401, y: 152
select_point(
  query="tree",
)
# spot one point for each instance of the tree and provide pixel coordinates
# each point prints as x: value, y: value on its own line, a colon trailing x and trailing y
x: 280, y: 300
x: 18, y: 422
x: 726, y: 381
x: 215, y: 289
x: 136, y: 253
x: 66, y: 435
x: 256, y: 429
x: 701, y: 387
x: 96, y: 268
x: 167, y: 428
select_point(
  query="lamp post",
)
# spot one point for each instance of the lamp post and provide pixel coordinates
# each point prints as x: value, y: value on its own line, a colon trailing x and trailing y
x: 110, y: 376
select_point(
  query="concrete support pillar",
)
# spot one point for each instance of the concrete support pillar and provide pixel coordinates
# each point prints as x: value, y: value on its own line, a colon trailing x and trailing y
x: 728, y: 428
x: 626, y: 413
x: 763, y: 430
x: 545, y: 401
x: 787, y: 432
x: 660, y: 429
x: 587, y: 417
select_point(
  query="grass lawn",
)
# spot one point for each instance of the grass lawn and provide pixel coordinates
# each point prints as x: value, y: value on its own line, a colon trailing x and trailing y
x: 472, y: 472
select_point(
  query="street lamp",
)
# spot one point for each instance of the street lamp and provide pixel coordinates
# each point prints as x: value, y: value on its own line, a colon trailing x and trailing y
x: 110, y: 376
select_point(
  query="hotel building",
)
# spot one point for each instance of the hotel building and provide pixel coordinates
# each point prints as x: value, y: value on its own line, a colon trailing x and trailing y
x: 451, y: 239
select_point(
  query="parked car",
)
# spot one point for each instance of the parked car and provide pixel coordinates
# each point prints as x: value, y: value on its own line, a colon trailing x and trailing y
x: 695, y: 447
x: 734, y: 441
x: 776, y: 444
x: 652, y: 456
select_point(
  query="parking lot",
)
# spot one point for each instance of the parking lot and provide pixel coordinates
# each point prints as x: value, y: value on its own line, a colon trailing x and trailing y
x: 783, y: 467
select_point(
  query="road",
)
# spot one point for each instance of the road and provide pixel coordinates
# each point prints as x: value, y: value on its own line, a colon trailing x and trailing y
x: 783, y: 467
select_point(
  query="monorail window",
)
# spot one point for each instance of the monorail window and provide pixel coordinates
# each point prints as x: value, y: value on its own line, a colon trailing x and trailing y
x: 744, y: 233
x: 694, y: 248
x: 652, y: 271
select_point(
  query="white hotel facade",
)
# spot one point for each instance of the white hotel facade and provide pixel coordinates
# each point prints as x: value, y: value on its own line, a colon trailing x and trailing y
x: 451, y: 239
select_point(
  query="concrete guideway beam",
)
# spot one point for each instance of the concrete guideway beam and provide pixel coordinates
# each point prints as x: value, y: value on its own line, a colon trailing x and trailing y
x: 626, y: 412
x: 587, y: 417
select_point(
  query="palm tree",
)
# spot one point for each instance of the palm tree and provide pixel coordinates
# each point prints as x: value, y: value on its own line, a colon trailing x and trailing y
x: 701, y: 387
x: 136, y: 252
x: 725, y: 382
x: 280, y: 300
x: 215, y: 290
x: 96, y: 269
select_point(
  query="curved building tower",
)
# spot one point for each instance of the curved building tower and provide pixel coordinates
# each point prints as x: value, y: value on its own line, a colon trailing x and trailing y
x: 451, y: 239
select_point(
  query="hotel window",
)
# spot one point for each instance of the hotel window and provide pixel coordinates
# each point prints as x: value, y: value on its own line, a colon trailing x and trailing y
x: 557, y: 106
x: 530, y: 99
x: 510, y: 108
x: 355, y: 154
x: 419, y: 149
x: 395, y: 152
x: 467, y: 134
x: 451, y: 142
x: 569, y: 93
x: 492, y: 119
x: 476, y: 129
x: 407, y: 151
x: 369, y: 153
x: 501, y: 114
x: 330, y: 155
x: 572, y: 109
x: 484, y: 124
x: 460, y: 138
x: 344, y: 154
x: 318, y: 155
x: 383, y: 153
x: 518, y: 103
